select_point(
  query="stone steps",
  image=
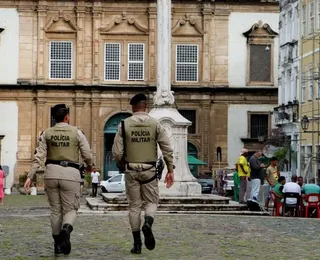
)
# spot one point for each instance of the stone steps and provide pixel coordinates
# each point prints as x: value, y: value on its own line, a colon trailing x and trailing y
x: 120, y: 198
x: 102, y: 207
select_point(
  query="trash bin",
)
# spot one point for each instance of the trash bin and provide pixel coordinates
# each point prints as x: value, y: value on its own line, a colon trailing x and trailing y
x: 33, y: 191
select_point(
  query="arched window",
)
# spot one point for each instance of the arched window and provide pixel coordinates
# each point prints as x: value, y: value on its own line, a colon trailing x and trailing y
x: 219, y: 154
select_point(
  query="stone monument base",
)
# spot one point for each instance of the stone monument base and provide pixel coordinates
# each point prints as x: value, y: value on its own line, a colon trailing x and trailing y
x: 181, y: 189
x: 185, y: 184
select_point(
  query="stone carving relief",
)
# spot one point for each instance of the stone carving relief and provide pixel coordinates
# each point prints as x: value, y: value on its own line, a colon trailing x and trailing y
x: 163, y: 97
x: 61, y: 23
x: 187, y: 26
x: 124, y: 25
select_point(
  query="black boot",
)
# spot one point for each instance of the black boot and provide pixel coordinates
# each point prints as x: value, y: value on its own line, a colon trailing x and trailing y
x: 149, y: 241
x: 57, y: 250
x: 137, y: 243
x: 64, y: 236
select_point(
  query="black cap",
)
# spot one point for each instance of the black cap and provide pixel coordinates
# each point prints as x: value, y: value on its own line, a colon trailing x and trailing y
x: 138, y: 98
x: 60, y: 108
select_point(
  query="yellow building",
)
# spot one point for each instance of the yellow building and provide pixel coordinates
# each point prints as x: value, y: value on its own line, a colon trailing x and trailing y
x: 309, y: 87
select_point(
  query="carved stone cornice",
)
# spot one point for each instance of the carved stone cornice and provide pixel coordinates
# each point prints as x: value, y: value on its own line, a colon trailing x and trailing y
x: 260, y: 30
x: 26, y: 8
x: 64, y: 18
x: 124, y: 19
x: 187, y: 20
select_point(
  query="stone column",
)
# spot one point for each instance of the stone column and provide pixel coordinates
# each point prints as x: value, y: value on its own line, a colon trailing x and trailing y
x: 175, y: 124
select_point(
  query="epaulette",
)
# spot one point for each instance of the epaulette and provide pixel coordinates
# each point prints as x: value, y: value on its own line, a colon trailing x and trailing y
x: 80, y: 130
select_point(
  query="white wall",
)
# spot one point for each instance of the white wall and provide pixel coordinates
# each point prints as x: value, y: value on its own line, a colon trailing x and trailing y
x: 9, y: 144
x: 238, y: 24
x: 9, y: 46
x: 238, y: 127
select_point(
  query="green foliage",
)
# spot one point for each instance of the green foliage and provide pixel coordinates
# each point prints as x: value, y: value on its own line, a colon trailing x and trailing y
x: 22, y: 179
x: 281, y: 153
x: 87, y: 177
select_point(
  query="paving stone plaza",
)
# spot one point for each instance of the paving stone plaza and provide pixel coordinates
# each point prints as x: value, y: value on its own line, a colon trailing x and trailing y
x: 25, y: 234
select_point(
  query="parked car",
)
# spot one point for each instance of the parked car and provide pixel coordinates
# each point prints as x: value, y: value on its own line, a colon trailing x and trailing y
x: 114, y: 184
x: 229, y: 184
x: 206, y: 185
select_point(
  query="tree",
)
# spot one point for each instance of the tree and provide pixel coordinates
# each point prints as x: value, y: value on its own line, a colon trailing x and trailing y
x: 282, y: 143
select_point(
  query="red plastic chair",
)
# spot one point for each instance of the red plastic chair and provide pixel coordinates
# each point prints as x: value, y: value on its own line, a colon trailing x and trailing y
x: 311, y: 201
x: 276, y: 203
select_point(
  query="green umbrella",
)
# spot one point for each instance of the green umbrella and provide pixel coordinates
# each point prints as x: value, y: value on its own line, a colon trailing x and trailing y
x: 194, y: 161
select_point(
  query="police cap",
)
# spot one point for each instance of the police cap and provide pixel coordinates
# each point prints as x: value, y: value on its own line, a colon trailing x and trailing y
x: 60, y: 108
x: 138, y: 98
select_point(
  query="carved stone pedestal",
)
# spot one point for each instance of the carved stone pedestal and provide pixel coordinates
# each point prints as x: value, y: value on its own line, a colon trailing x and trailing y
x: 185, y: 185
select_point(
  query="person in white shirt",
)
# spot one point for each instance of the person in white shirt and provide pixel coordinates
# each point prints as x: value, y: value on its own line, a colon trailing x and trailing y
x: 94, y: 182
x: 289, y: 187
x: 294, y: 188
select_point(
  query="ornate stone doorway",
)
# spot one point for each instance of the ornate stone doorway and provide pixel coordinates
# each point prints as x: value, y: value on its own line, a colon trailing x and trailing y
x: 110, y: 130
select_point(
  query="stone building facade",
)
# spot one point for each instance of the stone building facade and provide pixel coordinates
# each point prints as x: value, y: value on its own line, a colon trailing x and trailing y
x: 95, y: 55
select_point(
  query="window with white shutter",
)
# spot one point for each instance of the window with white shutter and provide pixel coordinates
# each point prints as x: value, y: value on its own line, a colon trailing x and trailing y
x: 187, y: 63
x: 60, y: 60
x: 135, y: 61
x: 112, y: 61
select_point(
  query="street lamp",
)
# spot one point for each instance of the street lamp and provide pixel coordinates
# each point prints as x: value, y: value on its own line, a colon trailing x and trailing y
x: 305, y: 123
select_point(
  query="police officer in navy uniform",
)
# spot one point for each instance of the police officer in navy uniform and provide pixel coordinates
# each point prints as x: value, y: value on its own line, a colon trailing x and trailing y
x: 138, y: 146
x: 60, y: 146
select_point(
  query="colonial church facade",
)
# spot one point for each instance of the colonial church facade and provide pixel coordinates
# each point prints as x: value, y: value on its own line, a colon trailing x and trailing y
x: 95, y: 55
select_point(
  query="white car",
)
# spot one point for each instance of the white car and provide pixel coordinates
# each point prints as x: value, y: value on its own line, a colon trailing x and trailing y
x: 114, y: 184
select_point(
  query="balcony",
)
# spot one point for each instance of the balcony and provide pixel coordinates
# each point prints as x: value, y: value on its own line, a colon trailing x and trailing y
x: 286, y: 114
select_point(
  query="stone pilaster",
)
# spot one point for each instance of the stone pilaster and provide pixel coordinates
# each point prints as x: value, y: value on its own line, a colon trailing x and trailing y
x: 152, y: 41
x: 42, y: 14
x: 96, y: 24
x: 81, y: 15
x: 95, y: 107
x: 207, y: 18
x: 26, y: 41
x: 221, y: 36
x: 205, y: 106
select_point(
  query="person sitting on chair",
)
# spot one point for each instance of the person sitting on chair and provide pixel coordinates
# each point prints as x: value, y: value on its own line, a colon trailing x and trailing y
x: 291, y: 187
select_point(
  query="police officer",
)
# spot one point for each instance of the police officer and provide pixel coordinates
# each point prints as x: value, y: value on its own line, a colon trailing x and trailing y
x: 60, y: 146
x: 138, y: 147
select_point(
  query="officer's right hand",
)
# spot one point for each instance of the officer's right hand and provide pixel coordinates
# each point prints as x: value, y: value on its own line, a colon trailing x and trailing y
x: 169, y: 180
x: 27, y: 185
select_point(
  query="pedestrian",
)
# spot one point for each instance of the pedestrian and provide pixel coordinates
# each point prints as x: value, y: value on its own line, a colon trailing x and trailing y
x: 244, y: 174
x: 272, y: 178
x: 82, y: 170
x: 2, y: 176
x: 255, y: 175
x: 236, y: 181
x: 94, y: 181
x: 60, y: 146
x: 135, y: 150
x: 300, y: 181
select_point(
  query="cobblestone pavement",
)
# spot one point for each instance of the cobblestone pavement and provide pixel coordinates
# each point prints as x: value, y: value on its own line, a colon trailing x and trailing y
x: 28, y: 236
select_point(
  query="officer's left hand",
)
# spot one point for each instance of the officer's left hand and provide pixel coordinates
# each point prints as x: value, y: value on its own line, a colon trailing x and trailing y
x: 27, y: 185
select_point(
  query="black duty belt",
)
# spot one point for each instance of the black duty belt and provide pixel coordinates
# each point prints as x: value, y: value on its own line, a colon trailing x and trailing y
x: 63, y: 164
x: 153, y: 164
x: 150, y: 180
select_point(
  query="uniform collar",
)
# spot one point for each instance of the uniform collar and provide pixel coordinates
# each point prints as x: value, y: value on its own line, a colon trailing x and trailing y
x: 61, y: 124
x: 140, y: 113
